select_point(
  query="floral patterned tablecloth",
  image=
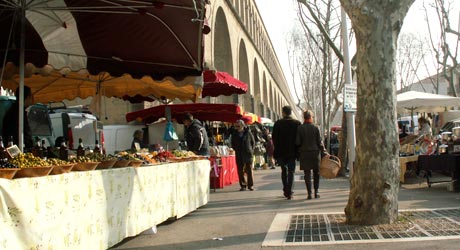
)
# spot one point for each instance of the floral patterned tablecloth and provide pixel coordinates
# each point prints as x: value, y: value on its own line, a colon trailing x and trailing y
x: 97, y: 209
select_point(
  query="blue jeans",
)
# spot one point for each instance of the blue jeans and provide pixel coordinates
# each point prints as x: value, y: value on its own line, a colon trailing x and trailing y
x: 287, y: 174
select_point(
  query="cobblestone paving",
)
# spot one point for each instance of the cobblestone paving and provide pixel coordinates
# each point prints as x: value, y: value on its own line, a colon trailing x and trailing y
x: 428, y: 224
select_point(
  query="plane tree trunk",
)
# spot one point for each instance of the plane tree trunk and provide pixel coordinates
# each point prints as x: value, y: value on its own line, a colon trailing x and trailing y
x: 374, y: 187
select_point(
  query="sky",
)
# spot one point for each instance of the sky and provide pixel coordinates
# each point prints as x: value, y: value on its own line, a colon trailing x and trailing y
x: 279, y: 18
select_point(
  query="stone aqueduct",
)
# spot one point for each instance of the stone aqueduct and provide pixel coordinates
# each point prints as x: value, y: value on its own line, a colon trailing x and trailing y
x: 239, y: 44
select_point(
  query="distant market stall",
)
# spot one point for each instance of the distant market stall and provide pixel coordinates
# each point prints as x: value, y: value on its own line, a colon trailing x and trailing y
x: 201, y: 111
x: 425, y: 102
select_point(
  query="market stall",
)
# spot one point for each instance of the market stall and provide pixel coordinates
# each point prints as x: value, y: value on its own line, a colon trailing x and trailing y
x: 224, y: 172
x: 420, y: 151
x: 250, y: 118
x: 97, y: 209
x: 403, y: 161
x: 92, y: 43
x: 200, y: 111
x: 448, y: 164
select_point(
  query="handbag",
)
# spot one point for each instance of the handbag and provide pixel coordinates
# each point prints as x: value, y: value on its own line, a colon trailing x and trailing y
x: 259, y: 149
x: 330, y: 166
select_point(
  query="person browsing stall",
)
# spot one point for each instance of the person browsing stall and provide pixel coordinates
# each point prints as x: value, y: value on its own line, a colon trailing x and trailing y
x: 425, y: 128
x: 196, y: 136
x: 138, y: 140
x: 11, y: 120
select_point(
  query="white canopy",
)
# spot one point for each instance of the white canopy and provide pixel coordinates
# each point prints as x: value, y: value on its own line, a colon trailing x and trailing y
x: 425, y: 102
x: 265, y: 120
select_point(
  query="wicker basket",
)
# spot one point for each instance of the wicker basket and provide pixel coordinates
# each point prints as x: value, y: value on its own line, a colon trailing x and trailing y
x: 135, y: 163
x: 106, y: 164
x: 330, y: 166
x: 62, y: 169
x: 85, y: 166
x: 33, y: 172
x: 8, y: 173
x: 121, y: 163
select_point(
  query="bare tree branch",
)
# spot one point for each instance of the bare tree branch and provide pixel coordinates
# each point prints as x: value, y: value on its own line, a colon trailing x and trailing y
x: 323, y: 31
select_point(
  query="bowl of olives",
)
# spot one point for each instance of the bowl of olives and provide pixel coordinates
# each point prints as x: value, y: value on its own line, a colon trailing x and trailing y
x: 7, y: 169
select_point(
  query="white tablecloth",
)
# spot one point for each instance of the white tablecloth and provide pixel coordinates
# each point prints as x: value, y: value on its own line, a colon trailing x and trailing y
x: 97, y: 209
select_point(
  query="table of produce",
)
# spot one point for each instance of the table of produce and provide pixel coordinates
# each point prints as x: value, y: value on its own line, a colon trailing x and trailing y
x: 28, y: 165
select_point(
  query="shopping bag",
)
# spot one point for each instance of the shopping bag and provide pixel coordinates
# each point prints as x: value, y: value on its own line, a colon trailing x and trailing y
x: 170, y: 133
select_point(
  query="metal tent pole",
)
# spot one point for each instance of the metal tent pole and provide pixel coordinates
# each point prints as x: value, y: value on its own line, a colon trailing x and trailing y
x: 21, y: 77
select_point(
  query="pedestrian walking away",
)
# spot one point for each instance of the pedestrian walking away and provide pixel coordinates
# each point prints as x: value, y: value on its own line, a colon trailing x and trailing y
x: 269, y: 151
x: 243, y: 143
x: 311, y: 150
x: 285, y: 152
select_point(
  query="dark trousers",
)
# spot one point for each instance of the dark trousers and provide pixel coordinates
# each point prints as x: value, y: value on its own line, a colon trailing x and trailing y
x: 287, y: 174
x: 245, y: 168
x: 307, y: 178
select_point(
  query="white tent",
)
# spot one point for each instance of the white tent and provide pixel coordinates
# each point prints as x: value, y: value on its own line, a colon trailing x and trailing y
x: 425, y: 102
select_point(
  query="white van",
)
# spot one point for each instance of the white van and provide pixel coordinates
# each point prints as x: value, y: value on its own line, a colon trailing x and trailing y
x: 69, y: 123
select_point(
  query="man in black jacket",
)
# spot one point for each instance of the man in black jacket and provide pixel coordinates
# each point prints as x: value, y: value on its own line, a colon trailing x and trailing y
x: 196, y: 136
x: 285, y: 154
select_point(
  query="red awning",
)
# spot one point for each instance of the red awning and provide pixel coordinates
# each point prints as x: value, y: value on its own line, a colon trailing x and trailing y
x: 221, y: 83
x: 250, y: 118
x: 200, y: 111
x: 215, y: 83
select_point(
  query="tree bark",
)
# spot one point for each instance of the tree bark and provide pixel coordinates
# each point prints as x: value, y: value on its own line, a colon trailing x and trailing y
x: 343, y: 146
x: 374, y: 187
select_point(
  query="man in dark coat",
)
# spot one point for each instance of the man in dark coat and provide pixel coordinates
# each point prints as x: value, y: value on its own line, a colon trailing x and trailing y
x: 11, y: 120
x: 285, y: 153
x: 243, y: 143
x: 311, y: 150
x: 196, y: 136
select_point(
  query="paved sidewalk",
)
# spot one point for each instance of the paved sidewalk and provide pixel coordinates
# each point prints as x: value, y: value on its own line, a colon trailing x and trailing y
x: 241, y: 220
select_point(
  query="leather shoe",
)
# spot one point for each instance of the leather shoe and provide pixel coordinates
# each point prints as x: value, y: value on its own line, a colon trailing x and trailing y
x: 289, y: 197
x: 242, y: 189
x: 309, y: 197
x: 252, y: 189
x: 317, y: 195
